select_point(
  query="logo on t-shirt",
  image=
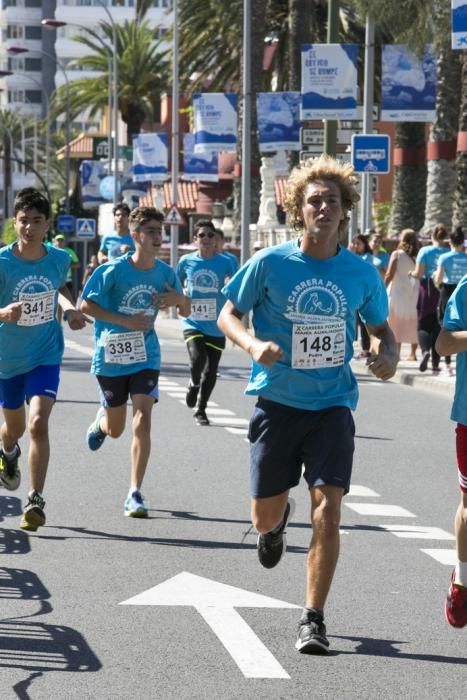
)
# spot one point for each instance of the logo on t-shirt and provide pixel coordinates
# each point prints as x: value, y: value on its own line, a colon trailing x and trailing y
x: 315, y: 298
x: 138, y: 299
x: 32, y: 284
x: 205, y: 281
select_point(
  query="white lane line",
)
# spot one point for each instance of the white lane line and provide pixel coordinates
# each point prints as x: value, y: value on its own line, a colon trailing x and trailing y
x: 176, y: 394
x: 219, y: 411
x: 362, y: 492
x: 231, y: 421
x: 71, y: 345
x: 418, y: 532
x: 237, y: 431
x: 447, y: 557
x: 381, y: 509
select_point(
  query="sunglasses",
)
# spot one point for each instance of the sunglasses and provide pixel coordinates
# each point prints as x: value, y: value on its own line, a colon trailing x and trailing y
x: 209, y: 235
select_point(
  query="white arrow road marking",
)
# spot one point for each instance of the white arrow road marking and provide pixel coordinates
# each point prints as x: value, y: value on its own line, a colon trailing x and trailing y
x: 215, y: 602
x: 362, y: 491
x: 448, y: 557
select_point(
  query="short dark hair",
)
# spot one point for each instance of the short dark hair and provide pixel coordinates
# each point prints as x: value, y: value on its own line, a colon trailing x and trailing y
x: 121, y: 206
x: 220, y: 233
x: 141, y: 215
x: 457, y: 236
x: 204, y: 223
x: 30, y: 198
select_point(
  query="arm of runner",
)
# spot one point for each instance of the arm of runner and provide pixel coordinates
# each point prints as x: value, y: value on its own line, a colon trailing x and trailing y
x: 12, y: 312
x: 173, y: 298
x: 134, y: 322
x: 383, y: 362
x: 73, y: 316
x: 418, y: 271
x: 438, y: 275
x: 102, y: 257
x: 230, y: 323
x: 451, y: 342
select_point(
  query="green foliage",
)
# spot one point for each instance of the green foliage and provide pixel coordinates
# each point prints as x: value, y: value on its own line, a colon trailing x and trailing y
x: 9, y: 233
x: 382, y: 214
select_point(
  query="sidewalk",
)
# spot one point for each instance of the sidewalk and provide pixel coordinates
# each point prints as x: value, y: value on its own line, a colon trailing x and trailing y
x: 407, y: 372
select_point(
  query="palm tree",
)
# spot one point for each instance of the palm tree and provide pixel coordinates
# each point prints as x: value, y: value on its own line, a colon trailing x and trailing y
x: 460, y: 196
x: 143, y: 73
x: 12, y: 127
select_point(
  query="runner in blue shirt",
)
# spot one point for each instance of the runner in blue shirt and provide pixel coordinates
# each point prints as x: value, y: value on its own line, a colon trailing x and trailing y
x: 453, y: 339
x: 32, y: 285
x: 120, y: 242
x: 428, y: 298
x: 451, y: 268
x: 304, y: 295
x: 124, y: 297
x: 220, y: 249
x: 204, y: 272
x: 375, y: 242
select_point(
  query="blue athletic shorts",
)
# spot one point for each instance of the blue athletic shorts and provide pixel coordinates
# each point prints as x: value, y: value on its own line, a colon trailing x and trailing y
x: 284, y: 439
x: 114, y: 391
x: 40, y: 381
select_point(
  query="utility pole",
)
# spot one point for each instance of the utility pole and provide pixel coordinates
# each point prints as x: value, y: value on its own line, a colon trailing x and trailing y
x: 246, y: 136
x: 330, y: 126
x: 365, y: 212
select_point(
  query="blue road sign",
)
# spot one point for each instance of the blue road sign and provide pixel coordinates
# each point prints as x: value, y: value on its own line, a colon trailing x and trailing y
x: 65, y: 223
x: 370, y: 153
x: 85, y: 229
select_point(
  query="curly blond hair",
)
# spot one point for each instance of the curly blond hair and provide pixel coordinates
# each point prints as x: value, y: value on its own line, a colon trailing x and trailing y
x: 323, y: 168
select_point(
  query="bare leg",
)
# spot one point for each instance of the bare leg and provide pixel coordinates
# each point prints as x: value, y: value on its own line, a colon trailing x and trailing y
x: 40, y: 408
x: 13, y: 428
x: 141, y: 443
x: 267, y: 513
x: 460, y: 525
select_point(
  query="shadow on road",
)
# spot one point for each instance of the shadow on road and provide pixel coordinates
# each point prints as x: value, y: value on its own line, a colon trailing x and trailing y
x: 386, y: 647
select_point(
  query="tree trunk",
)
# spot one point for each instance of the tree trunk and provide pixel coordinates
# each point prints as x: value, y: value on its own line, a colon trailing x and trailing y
x: 6, y: 177
x: 409, y: 185
x: 300, y: 22
x: 460, y: 195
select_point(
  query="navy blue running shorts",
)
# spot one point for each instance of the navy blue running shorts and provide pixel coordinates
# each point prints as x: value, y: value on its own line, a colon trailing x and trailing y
x: 114, y: 391
x: 284, y: 439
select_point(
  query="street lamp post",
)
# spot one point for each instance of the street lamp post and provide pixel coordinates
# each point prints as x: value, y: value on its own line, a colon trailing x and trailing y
x: 22, y: 49
x: 56, y: 24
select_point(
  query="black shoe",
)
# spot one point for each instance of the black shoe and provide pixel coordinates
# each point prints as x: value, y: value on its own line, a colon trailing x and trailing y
x: 33, y: 514
x: 201, y: 417
x: 424, y: 363
x: 10, y: 475
x: 191, y: 395
x: 312, y: 635
x: 272, y: 545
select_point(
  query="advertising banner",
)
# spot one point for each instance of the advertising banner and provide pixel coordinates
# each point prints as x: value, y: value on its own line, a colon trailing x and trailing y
x: 199, y: 166
x: 329, y: 81
x: 278, y: 121
x: 91, y: 173
x: 408, y: 85
x: 215, y: 117
x: 459, y: 24
x: 150, y: 157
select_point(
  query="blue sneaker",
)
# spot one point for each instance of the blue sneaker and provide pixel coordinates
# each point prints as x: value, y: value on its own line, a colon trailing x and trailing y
x: 95, y: 436
x: 135, y: 506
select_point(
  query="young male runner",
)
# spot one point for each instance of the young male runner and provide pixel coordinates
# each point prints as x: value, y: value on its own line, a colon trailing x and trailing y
x: 32, y: 284
x: 304, y: 295
x: 453, y: 339
x: 124, y: 297
x: 205, y: 272
x: 119, y: 242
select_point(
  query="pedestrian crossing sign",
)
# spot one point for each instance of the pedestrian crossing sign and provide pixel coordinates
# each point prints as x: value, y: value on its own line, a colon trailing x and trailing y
x: 85, y: 229
x: 174, y: 217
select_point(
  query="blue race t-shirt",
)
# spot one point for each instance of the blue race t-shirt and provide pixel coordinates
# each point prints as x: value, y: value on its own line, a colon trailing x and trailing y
x: 204, y: 278
x: 308, y: 306
x: 429, y: 256
x: 37, y: 338
x: 119, y: 286
x: 373, y: 260
x: 233, y: 259
x: 454, y: 265
x: 455, y: 319
x: 111, y: 245
x: 383, y: 257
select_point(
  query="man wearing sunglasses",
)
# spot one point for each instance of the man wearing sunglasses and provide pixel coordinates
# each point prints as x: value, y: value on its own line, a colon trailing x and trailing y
x: 204, y: 273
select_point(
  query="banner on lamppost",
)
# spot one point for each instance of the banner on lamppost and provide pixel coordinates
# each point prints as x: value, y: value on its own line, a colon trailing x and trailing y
x: 329, y: 81
x: 278, y: 121
x: 408, y: 85
x: 199, y: 166
x: 150, y: 157
x: 91, y: 174
x: 459, y: 24
x: 215, y: 119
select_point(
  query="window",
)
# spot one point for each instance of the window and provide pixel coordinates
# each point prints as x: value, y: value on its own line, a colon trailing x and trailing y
x: 33, y: 64
x: 33, y: 32
x: 33, y: 3
x: 34, y: 96
x: 15, y: 95
x: 16, y: 63
x: 15, y: 31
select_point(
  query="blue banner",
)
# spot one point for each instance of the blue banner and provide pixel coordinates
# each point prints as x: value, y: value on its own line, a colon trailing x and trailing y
x: 459, y: 24
x: 278, y: 121
x: 215, y: 117
x: 150, y: 157
x: 408, y: 85
x: 91, y: 173
x: 329, y: 81
x: 199, y: 166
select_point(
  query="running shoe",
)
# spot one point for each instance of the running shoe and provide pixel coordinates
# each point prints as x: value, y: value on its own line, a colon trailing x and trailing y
x: 33, y: 513
x: 312, y: 634
x: 192, y: 395
x: 201, y: 417
x: 424, y: 363
x: 456, y: 604
x: 10, y: 475
x: 95, y: 436
x: 135, y: 506
x: 272, y: 545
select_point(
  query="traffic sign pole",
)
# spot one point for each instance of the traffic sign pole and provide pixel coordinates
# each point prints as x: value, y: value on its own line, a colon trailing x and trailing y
x: 366, y: 206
